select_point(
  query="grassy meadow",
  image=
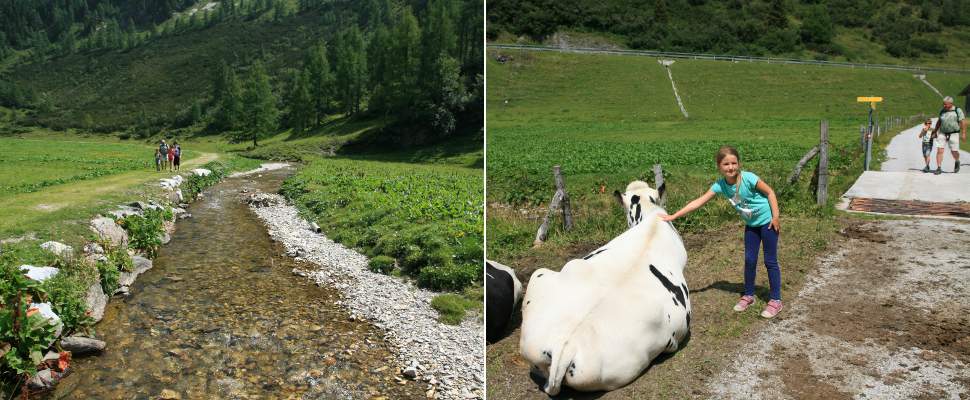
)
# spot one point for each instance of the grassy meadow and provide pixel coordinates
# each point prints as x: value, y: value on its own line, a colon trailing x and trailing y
x: 607, y: 119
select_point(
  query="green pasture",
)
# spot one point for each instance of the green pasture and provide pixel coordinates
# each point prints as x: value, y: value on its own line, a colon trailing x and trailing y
x: 426, y: 217
x: 608, y: 119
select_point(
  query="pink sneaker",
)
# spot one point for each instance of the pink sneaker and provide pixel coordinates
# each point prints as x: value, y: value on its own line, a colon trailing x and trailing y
x: 772, y: 309
x: 743, y: 303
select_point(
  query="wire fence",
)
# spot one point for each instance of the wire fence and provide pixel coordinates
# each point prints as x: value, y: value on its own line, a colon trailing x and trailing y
x: 720, y: 57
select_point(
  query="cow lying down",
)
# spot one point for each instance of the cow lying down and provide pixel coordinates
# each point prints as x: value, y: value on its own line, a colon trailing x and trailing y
x: 598, y: 323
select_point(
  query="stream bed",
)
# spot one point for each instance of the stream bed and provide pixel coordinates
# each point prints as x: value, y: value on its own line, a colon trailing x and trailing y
x: 222, y: 316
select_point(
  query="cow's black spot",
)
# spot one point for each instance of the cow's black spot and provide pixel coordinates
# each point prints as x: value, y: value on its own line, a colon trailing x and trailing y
x: 669, y: 342
x: 653, y: 200
x: 539, y: 276
x: 637, y: 216
x: 683, y: 287
x: 548, y: 354
x: 590, y: 255
x: 528, y: 302
x: 673, y: 289
x: 500, y: 296
x: 635, y: 199
x: 688, y: 320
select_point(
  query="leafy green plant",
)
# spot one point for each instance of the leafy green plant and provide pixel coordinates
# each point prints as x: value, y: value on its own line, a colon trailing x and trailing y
x: 452, y: 307
x: 382, y: 264
x: 120, y: 258
x: 428, y: 218
x: 143, y: 233
x: 24, y: 333
x: 66, y: 292
x: 110, y: 275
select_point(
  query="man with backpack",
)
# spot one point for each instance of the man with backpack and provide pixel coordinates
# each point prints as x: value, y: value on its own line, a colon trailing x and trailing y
x: 952, y: 121
x: 163, y: 149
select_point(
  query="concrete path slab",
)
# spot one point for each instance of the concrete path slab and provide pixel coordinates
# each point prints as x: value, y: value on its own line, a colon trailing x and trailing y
x: 901, y: 177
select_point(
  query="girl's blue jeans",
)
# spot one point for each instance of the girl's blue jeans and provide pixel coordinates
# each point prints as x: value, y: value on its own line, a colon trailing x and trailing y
x: 753, y: 237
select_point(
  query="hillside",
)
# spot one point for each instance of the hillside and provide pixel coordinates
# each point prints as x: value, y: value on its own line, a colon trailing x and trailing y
x: 607, y: 119
x: 931, y: 33
x: 167, y: 78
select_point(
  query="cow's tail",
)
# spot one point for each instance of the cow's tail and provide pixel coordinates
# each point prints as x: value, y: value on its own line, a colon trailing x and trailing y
x: 558, y: 367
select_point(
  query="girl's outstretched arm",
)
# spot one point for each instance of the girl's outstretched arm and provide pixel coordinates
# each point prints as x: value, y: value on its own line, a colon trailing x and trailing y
x: 693, y: 205
x: 773, y: 201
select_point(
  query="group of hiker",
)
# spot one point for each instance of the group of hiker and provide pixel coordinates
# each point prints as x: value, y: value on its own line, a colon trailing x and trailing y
x: 951, y: 127
x: 168, y: 157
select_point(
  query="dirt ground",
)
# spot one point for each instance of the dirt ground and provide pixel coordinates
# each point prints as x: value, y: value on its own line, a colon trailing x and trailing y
x: 883, y: 314
x: 885, y: 317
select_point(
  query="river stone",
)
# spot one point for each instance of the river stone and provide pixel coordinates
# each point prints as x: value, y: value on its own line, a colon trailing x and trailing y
x: 59, y: 249
x: 108, y: 230
x: 82, y: 346
x: 141, y: 264
x: 93, y: 248
x: 42, y: 381
x: 169, y: 394
x: 96, y: 300
x: 177, y: 196
x: 141, y: 205
x: 47, y: 312
x: 39, y: 274
x: 125, y: 212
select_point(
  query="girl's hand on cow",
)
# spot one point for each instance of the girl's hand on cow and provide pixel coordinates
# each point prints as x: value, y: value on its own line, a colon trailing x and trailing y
x: 667, y: 218
x: 775, y: 224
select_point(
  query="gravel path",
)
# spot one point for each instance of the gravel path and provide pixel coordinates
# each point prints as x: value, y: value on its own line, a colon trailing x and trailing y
x: 450, y: 358
x: 884, y: 318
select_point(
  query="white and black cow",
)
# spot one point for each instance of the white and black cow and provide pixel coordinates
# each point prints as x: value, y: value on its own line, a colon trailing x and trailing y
x: 502, y: 292
x: 597, y: 323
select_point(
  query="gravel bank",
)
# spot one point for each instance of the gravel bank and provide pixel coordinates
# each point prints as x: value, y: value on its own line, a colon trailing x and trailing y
x: 449, y: 358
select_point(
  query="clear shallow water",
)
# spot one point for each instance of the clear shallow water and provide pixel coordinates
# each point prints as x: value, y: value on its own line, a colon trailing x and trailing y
x: 221, y: 316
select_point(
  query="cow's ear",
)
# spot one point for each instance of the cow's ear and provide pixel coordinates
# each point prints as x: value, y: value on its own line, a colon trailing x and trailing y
x: 619, y: 198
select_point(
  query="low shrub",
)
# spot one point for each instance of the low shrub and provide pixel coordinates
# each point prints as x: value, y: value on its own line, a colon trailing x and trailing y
x: 449, y: 277
x: 453, y: 307
x: 23, y: 335
x: 110, y: 275
x: 382, y: 264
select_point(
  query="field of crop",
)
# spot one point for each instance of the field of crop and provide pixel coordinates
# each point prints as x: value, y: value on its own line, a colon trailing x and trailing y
x: 428, y: 218
x: 607, y: 119
x: 41, y: 163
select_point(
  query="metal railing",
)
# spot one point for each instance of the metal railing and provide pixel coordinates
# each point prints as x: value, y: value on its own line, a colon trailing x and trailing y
x: 721, y: 57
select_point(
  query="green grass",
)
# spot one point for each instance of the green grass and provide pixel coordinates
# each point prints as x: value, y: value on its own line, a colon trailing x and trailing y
x: 452, y: 308
x: 607, y: 119
x: 427, y: 217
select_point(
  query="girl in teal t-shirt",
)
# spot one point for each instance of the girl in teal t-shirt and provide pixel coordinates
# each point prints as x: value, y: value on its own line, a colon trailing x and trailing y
x: 757, y: 205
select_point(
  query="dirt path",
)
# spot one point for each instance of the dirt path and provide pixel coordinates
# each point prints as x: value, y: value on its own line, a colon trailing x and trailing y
x: 885, y: 317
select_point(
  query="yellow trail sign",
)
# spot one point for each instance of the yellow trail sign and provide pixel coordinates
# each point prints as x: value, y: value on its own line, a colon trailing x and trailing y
x: 871, y: 100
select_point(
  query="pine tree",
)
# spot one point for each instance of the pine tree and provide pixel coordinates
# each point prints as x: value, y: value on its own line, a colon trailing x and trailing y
x: 351, y: 69
x: 402, y: 66
x: 228, y: 96
x: 320, y: 85
x: 300, y: 102
x: 259, y: 102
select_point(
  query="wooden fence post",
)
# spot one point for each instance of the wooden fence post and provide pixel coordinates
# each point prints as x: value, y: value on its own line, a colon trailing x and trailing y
x: 560, y: 198
x: 567, y: 213
x: 823, y: 163
x: 660, y: 184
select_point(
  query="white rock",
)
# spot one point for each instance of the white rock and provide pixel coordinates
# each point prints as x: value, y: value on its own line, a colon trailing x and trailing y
x: 39, y: 274
x: 108, y: 230
x: 96, y: 300
x: 201, y: 172
x: 59, y: 249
